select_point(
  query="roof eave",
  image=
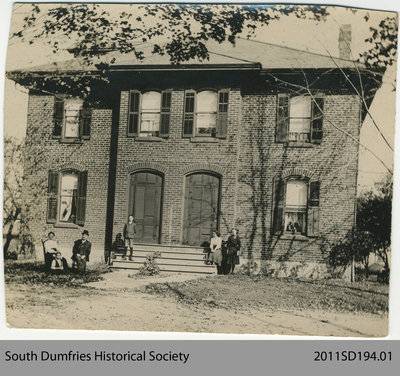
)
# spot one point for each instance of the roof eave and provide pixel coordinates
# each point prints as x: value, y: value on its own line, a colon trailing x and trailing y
x: 187, y: 67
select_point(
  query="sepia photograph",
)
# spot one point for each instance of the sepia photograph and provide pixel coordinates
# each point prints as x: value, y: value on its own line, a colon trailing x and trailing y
x: 201, y: 168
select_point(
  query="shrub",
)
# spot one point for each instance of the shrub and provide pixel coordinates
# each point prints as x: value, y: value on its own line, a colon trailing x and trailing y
x: 250, y: 268
x: 150, y: 266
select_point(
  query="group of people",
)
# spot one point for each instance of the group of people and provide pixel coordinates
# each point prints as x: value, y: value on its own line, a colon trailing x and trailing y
x: 224, y: 254
x: 56, y: 263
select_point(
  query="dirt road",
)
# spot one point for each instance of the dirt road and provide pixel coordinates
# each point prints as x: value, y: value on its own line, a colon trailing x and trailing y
x: 115, y: 304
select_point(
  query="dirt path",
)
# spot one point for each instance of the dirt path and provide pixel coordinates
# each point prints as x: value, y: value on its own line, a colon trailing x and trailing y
x: 115, y: 304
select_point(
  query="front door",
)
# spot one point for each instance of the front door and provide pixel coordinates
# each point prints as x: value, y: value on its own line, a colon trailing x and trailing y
x: 201, y: 208
x: 145, y: 205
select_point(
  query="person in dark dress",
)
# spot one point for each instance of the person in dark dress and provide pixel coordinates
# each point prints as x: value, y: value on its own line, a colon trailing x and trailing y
x: 233, y: 250
x: 81, y: 252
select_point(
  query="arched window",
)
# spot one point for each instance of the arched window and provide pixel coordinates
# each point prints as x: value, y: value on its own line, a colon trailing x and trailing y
x: 68, y: 197
x: 66, y: 201
x: 296, y: 207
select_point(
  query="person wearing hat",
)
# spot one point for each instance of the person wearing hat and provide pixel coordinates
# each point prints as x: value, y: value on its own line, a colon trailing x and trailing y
x: 81, y: 252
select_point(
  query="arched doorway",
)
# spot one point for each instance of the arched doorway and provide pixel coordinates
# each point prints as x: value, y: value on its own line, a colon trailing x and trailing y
x: 145, y: 200
x: 201, y: 214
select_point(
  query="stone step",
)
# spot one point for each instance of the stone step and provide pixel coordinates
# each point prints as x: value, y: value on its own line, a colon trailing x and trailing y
x: 166, y: 255
x: 177, y: 268
x: 162, y: 260
x: 167, y: 248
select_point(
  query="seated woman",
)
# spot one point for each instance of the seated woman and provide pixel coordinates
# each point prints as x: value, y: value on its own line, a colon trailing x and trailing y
x: 216, y: 253
x: 59, y: 264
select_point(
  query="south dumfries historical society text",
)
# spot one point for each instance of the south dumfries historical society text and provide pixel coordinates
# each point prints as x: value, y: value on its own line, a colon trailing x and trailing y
x: 97, y: 356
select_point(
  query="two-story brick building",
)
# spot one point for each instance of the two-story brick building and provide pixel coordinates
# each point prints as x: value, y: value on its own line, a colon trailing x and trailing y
x: 260, y: 137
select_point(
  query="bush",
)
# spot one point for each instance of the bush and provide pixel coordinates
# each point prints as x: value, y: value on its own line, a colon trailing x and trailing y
x: 150, y: 266
x: 250, y: 268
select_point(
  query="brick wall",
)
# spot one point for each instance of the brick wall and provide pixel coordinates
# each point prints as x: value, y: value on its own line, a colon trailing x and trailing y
x: 247, y: 160
x: 333, y: 163
x: 175, y: 157
x: 45, y: 153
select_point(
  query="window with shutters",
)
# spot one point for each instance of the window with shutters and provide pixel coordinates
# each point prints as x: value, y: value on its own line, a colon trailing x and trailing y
x: 206, y: 113
x: 149, y: 113
x: 72, y: 121
x: 299, y: 119
x: 67, y: 197
x: 296, y: 207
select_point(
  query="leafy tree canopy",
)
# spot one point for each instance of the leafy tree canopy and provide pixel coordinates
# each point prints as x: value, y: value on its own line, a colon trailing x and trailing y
x: 181, y: 32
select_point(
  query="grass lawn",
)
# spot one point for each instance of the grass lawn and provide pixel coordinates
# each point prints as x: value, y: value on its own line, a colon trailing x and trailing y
x: 240, y: 291
x: 34, y: 273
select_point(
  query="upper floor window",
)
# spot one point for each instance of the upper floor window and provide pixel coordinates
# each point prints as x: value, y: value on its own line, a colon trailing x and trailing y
x: 71, y: 120
x: 206, y: 113
x: 149, y: 113
x: 66, y: 201
x: 299, y: 119
x: 296, y: 207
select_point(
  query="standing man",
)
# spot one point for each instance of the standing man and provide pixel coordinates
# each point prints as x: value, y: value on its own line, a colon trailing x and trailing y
x: 50, y: 247
x: 81, y: 252
x: 129, y: 234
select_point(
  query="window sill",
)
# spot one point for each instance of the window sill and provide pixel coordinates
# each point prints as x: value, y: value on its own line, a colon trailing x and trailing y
x: 149, y: 139
x: 66, y: 225
x: 301, y: 238
x: 71, y: 141
x: 210, y: 140
x: 301, y: 144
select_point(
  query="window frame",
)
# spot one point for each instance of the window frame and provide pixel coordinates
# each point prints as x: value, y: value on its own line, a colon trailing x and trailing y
x: 221, y: 114
x: 308, y: 118
x: 59, y: 122
x: 316, y: 120
x: 163, y: 112
x: 302, y: 210
x: 59, y: 194
x: 54, y: 194
x: 312, y: 208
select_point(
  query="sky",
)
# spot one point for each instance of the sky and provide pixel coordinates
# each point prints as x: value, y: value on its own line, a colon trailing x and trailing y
x: 320, y: 37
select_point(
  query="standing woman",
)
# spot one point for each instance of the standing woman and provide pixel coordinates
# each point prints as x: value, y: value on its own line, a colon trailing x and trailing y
x: 216, y: 253
x: 233, y: 245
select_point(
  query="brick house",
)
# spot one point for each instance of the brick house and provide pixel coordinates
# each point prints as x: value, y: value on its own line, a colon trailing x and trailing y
x: 260, y: 137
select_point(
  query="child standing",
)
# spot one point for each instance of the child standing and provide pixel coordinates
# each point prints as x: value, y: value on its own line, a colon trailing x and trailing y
x: 129, y: 234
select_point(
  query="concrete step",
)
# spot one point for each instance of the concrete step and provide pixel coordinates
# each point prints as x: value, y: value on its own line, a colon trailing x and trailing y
x: 177, y: 268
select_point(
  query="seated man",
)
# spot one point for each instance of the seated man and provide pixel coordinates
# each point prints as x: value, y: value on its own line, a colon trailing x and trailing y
x: 81, y: 252
x: 59, y: 263
x: 50, y: 247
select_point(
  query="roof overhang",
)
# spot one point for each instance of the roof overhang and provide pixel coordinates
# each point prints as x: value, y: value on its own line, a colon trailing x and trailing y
x: 188, y: 67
